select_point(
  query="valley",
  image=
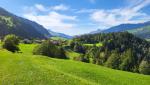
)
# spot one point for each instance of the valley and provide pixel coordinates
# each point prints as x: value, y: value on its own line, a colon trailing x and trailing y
x: 74, y: 42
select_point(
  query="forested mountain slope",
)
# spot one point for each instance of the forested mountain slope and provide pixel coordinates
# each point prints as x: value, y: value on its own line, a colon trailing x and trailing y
x: 12, y: 24
x: 122, y: 51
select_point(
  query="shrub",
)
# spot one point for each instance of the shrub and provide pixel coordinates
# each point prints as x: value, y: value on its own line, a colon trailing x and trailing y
x: 47, y: 48
x: 11, y: 43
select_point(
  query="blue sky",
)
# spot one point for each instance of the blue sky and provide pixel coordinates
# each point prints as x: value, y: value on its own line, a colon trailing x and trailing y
x: 75, y: 17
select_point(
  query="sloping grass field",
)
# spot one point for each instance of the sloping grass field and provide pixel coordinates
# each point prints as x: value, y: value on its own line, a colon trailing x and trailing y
x: 71, y: 54
x: 97, y: 44
x: 27, y: 69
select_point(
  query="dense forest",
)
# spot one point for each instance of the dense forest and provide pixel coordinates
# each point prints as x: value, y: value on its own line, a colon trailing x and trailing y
x: 121, y: 50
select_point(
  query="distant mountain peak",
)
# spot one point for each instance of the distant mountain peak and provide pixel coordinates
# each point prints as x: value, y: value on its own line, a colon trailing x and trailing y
x: 56, y: 34
x: 98, y: 30
x: 12, y: 24
x: 124, y: 27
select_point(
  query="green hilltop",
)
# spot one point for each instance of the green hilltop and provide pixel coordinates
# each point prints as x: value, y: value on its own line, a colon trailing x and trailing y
x: 142, y: 32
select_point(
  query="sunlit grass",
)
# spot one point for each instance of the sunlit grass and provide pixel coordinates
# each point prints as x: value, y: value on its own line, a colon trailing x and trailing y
x: 27, y: 69
x: 71, y: 54
x: 97, y: 44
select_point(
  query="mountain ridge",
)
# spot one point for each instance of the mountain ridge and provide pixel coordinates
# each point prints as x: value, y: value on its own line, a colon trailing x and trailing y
x: 123, y: 27
x: 57, y: 34
x: 24, y: 28
x: 20, y: 26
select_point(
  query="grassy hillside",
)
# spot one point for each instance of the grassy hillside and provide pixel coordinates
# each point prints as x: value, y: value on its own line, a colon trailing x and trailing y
x: 27, y: 69
x: 71, y: 54
x: 97, y: 44
x: 143, y: 32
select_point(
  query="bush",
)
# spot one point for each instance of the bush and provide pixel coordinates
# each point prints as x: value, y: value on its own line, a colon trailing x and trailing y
x: 11, y: 43
x: 47, y: 48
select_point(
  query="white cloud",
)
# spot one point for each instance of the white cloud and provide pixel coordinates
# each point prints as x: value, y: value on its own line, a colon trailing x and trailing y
x: 40, y: 7
x: 53, y: 20
x: 129, y: 14
x: 141, y: 4
x: 60, y: 7
x: 86, y: 10
x: 49, y: 19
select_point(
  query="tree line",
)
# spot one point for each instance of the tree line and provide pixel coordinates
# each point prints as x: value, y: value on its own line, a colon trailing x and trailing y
x: 122, y: 51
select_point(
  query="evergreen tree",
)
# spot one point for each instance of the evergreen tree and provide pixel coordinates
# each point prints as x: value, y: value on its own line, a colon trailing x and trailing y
x: 127, y: 61
x: 144, y: 67
x: 113, y: 61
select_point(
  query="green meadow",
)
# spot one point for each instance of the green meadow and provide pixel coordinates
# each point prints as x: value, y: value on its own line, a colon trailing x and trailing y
x: 27, y: 69
x: 97, y: 44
